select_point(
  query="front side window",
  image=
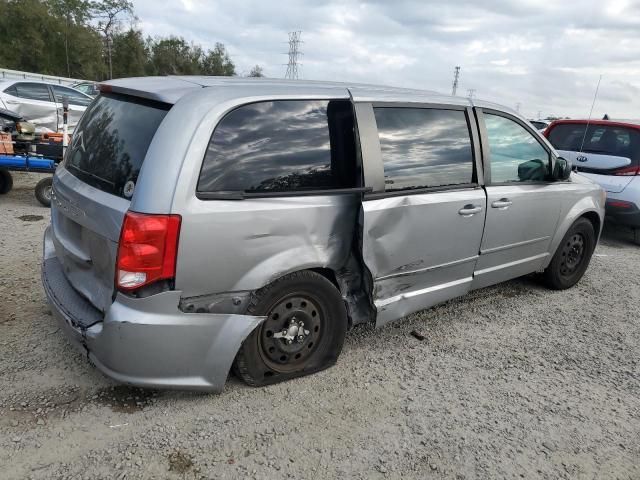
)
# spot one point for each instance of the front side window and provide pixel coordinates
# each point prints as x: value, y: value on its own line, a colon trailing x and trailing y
x: 32, y: 91
x: 75, y: 98
x: 515, y: 154
x: 423, y: 147
x: 282, y: 146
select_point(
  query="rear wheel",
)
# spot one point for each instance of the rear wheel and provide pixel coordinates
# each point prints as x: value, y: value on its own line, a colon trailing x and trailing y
x: 303, y: 333
x: 572, y: 257
x: 43, y: 191
x: 6, y: 181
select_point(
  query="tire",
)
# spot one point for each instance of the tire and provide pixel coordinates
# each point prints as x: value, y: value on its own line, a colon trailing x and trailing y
x: 572, y: 257
x: 636, y: 236
x: 304, y: 297
x: 6, y: 181
x: 43, y: 191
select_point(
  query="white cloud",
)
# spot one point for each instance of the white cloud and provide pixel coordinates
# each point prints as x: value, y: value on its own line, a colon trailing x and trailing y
x: 547, y: 56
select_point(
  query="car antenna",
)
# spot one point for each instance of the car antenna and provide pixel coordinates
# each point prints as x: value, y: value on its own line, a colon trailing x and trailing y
x: 590, y: 113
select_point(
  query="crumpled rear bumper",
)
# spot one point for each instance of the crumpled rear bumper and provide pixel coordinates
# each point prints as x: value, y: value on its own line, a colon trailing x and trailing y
x: 148, y: 341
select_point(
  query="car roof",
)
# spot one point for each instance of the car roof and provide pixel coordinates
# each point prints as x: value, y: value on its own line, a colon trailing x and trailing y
x: 635, y: 124
x: 8, y: 82
x: 170, y: 89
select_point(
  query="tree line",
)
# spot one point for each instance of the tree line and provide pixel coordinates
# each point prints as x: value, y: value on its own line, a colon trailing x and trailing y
x: 97, y: 40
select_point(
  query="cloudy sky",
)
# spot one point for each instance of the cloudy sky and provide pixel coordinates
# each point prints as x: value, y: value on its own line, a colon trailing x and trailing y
x: 545, y: 55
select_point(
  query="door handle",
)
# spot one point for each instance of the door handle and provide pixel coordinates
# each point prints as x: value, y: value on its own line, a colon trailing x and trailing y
x: 502, y: 204
x: 469, y: 210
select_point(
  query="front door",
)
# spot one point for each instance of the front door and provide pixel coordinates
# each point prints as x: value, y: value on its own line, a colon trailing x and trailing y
x: 422, y: 225
x: 523, y: 202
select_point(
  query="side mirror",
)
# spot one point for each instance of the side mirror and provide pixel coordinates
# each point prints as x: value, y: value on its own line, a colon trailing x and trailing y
x: 532, y: 171
x: 562, y: 170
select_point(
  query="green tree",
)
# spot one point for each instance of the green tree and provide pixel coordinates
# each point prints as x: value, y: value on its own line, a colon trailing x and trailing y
x: 129, y: 54
x: 108, y: 13
x: 74, y: 13
x: 256, y: 71
x: 218, y: 62
x: 173, y: 56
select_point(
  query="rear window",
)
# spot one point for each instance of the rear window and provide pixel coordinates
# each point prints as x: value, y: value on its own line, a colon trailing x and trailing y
x: 111, y: 140
x: 282, y: 146
x: 602, y: 139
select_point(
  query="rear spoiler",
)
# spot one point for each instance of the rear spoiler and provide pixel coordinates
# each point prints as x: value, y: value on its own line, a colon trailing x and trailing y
x: 159, y: 89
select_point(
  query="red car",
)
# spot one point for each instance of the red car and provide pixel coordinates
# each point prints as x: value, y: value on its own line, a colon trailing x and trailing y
x: 607, y: 152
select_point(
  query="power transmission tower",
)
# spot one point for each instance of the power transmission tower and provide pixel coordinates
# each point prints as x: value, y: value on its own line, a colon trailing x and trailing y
x: 456, y: 75
x: 470, y: 93
x: 518, y: 107
x: 294, y: 52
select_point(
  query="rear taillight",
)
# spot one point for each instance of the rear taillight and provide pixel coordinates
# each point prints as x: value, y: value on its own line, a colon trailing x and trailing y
x: 147, y: 250
x: 627, y: 171
x: 619, y: 204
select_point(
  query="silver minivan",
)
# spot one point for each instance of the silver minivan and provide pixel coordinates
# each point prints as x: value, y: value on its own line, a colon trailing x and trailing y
x: 200, y: 223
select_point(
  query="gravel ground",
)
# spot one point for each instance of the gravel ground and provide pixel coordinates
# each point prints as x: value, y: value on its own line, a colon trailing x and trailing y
x: 510, y: 381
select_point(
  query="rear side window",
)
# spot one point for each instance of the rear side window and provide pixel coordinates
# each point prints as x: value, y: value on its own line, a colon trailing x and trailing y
x: 424, y: 148
x: 75, y: 98
x: 31, y: 91
x: 111, y: 140
x: 282, y: 146
x: 601, y: 139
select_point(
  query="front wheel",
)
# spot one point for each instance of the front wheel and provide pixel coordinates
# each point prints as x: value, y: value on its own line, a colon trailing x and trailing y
x: 43, y: 191
x: 303, y: 333
x: 572, y: 257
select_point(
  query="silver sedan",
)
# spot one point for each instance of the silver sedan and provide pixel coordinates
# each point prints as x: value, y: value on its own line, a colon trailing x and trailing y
x: 41, y: 102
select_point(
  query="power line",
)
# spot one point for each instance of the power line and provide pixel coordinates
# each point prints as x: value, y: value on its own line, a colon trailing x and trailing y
x: 456, y: 75
x: 294, y: 52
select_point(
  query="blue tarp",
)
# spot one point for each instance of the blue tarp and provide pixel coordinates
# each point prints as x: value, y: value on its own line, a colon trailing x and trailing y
x: 22, y: 162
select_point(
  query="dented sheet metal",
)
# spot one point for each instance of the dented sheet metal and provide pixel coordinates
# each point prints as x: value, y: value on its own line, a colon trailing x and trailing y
x: 419, y: 249
x: 272, y: 237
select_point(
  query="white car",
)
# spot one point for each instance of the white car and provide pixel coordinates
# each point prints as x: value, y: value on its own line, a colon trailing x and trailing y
x: 41, y: 102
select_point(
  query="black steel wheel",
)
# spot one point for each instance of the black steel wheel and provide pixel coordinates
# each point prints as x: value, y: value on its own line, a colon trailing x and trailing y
x: 303, y: 332
x: 572, y: 256
x: 292, y: 332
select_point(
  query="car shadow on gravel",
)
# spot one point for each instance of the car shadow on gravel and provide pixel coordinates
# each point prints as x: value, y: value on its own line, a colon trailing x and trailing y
x: 616, y: 235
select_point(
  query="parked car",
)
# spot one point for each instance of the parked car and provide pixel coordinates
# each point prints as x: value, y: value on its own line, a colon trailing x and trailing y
x: 88, y: 88
x: 41, y: 102
x: 252, y: 223
x: 609, y: 154
x: 540, y: 125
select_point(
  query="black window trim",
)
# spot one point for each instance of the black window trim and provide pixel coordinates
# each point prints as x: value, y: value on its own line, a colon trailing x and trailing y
x: 478, y: 174
x: 243, y: 195
x: 486, y: 160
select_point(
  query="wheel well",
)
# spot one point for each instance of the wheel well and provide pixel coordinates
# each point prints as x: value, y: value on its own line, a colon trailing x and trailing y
x: 594, y: 218
x: 328, y: 274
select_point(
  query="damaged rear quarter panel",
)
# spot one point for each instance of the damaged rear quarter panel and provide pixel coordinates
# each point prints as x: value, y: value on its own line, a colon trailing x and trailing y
x: 232, y: 245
